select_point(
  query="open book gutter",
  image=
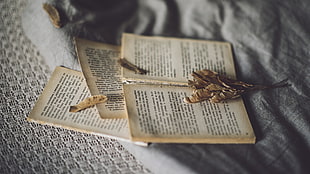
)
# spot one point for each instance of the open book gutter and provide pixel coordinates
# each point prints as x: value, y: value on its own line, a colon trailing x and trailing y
x: 149, y: 107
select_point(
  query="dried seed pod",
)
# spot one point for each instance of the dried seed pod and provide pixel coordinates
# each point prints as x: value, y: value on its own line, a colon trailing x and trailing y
x: 88, y: 102
x: 126, y: 64
x: 53, y: 14
x: 209, y: 85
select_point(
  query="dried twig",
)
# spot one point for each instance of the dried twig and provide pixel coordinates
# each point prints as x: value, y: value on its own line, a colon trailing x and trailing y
x: 88, y: 102
x: 209, y: 85
x: 126, y: 64
x: 53, y: 14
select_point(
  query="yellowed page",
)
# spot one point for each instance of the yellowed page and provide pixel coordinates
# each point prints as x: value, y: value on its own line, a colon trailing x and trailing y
x: 158, y: 114
x: 102, y: 72
x: 68, y: 87
x: 172, y: 59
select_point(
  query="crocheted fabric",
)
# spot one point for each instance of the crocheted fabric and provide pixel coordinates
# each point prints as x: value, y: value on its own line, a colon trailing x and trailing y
x: 32, y: 148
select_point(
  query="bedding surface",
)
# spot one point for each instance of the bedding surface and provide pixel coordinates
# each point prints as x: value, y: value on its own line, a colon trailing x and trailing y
x: 27, y: 147
x: 271, y: 42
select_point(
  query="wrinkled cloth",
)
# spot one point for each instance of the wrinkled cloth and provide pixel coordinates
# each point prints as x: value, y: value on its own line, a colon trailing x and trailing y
x: 270, y: 42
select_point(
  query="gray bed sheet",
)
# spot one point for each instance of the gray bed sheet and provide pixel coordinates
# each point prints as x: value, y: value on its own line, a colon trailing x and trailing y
x: 271, y: 42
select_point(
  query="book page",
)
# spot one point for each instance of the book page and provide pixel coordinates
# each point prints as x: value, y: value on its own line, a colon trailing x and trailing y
x: 103, y: 75
x: 159, y: 114
x: 172, y: 59
x: 68, y: 87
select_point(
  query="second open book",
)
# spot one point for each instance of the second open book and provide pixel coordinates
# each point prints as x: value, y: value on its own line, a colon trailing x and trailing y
x: 153, y: 103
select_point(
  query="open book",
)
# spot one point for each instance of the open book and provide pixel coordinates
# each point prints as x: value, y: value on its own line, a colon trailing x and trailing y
x: 154, y: 101
x: 152, y: 104
x: 65, y: 88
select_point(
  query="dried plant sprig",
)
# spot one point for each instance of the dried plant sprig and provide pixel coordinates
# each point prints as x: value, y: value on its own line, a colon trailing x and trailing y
x: 126, y: 64
x: 88, y: 102
x: 209, y: 85
x: 53, y: 14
